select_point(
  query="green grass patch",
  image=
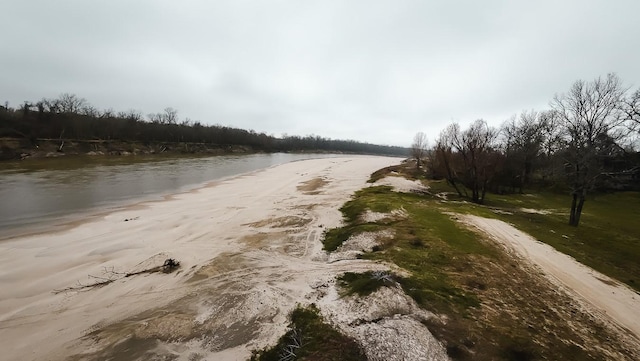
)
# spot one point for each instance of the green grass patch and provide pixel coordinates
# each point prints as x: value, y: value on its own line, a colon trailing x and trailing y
x: 310, y: 338
x: 435, y: 249
x: 428, y: 243
x: 366, y: 199
x: 365, y: 283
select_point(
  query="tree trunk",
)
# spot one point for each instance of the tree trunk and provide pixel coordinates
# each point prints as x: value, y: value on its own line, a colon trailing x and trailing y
x: 450, y: 178
x: 455, y: 185
x: 484, y: 192
x: 572, y: 214
x: 579, y: 210
x: 527, y: 173
x: 475, y: 194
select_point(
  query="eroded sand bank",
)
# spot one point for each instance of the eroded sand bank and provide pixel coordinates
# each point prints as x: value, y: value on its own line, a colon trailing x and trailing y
x: 249, y: 250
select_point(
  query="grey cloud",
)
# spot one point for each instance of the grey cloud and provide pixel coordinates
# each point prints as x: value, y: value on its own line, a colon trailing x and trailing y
x: 375, y: 71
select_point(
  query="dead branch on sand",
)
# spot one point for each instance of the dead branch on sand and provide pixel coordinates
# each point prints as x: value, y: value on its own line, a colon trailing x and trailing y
x: 110, y: 275
x: 288, y: 353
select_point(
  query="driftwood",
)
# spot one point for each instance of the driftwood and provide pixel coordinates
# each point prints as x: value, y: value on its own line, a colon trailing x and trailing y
x: 110, y: 275
x: 288, y: 353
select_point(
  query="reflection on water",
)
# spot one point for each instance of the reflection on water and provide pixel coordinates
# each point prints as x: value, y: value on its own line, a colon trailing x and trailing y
x: 40, y: 191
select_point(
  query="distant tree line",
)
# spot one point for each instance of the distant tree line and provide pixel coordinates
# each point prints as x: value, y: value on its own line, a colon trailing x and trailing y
x: 585, y: 141
x: 72, y: 117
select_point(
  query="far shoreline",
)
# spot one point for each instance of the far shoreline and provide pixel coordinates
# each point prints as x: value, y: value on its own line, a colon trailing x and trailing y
x: 21, y: 149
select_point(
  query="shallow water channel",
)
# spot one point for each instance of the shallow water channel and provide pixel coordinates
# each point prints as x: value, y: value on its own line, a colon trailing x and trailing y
x: 39, y: 193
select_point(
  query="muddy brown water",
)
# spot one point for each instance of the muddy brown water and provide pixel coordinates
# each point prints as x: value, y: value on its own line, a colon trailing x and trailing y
x: 38, y: 194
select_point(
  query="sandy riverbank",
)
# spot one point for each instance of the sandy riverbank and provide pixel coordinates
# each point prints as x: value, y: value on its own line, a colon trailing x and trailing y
x: 249, y: 250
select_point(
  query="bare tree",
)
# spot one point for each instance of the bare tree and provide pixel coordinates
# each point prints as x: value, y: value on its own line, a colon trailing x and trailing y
x: 552, y: 143
x: 476, y: 146
x: 155, y: 118
x: 522, y: 142
x: 591, y: 114
x: 132, y: 115
x: 551, y: 130
x: 51, y: 105
x: 108, y: 113
x: 90, y: 111
x: 632, y: 110
x: 445, y: 160
x: 419, y: 148
x: 468, y: 157
x: 71, y: 103
x: 170, y: 116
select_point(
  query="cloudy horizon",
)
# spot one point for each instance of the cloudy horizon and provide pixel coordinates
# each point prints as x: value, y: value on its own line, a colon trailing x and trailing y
x: 372, y: 71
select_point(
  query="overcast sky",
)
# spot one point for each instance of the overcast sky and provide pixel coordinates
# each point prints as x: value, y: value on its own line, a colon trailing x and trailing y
x: 369, y: 70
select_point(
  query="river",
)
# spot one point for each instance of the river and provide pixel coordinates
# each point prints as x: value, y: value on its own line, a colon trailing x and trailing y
x: 38, y: 194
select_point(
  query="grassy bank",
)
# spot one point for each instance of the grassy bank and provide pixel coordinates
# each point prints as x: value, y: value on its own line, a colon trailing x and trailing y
x: 495, y: 307
x: 607, y: 240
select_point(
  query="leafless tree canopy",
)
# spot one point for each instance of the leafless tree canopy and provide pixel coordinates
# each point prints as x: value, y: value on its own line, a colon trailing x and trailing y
x: 468, y: 157
x: 419, y: 147
x: 591, y: 114
x: 71, y: 103
x: 632, y: 109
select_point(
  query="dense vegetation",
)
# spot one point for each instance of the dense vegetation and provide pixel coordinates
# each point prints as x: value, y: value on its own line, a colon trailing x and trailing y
x: 70, y: 117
